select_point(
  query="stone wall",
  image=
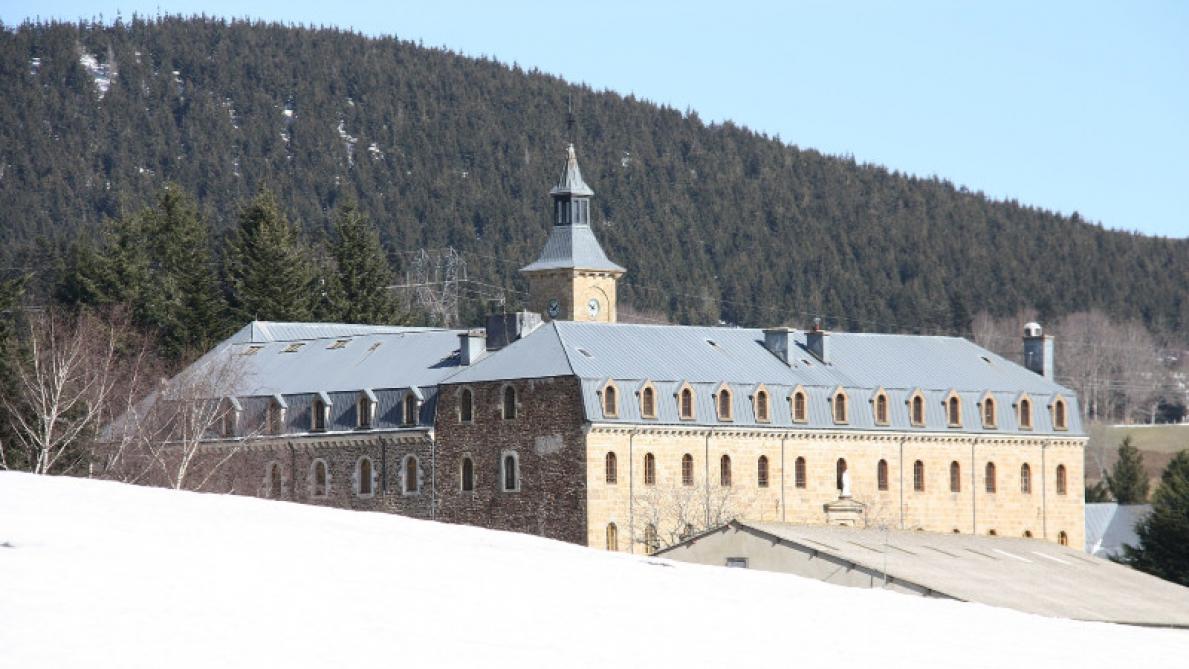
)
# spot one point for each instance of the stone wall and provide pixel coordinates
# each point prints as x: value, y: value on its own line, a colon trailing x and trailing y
x: 548, y: 440
x: 1009, y: 511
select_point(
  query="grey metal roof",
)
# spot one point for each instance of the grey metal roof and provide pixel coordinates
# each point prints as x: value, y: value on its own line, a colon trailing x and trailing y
x: 572, y: 247
x: 1111, y: 525
x: 706, y: 357
x: 571, y: 182
x: 1024, y: 574
x: 270, y: 358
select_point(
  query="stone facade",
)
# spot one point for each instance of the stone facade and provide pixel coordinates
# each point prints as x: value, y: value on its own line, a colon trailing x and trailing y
x: 573, y: 289
x: 547, y: 439
x: 630, y: 503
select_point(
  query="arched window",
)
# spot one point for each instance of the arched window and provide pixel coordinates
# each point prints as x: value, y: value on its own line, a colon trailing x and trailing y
x: 412, y: 486
x: 612, y: 468
x: 365, y: 476
x: 990, y: 477
x: 612, y: 537
x: 318, y: 416
x: 651, y: 540
x: 468, y: 475
x: 1059, y: 422
x: 881, y: 409
x: 1061, y: 483
x: 274, y: 481
x: 918, y: 410
x: 918, y: 476
x: 687, y: 469
x: 1025, y: 414
x: 799, y: 472
x: 649, y: 469
x: 1063, y: 538
x: 762, y: 406
x: 840, y: 407
x: 610, y: 402
x: 410, y: 409
x: 466, y: 406
x: 1026, y: 479
x: 839, y: 470
x: 724, y: 471
x: 988, y: 411
x: 881, y: 475
x: 724, y: 404
x: 687, y: 404
x: 955, y: 477
x: 320, y: 483
x: 954, y: 411
x: 509, y: 403
x: 648, y: 402
x: 799, y: 407
x: 511, y: 473
x: 762, y: 471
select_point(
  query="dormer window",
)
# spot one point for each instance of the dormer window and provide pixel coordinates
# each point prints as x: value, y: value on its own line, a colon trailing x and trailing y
x: 916, y: 409
x: 838, y: 402
x: 275, y: 417
x: 648, y: 402
x: 610, y: 401
x: 762, y: 406
x: 953, y: 410
x: 1060, y: 419
x: 318, y: 415
x: 724, y: 403
x: 988, y: 410
x: 1024, y: 408
x: 685, y: 402
x: 411, y: 406
x: 230, y: 418
x: 800, y: 406
x: 365, y: 409
x: 880, y: 407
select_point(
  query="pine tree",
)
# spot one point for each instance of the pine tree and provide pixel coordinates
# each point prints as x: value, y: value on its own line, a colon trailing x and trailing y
x: 363, y: 273
x: 187, y: 306
x: 1097, y: 493
x: 1127, y: 480
x: 1164, y: 534
x: 267, y: 268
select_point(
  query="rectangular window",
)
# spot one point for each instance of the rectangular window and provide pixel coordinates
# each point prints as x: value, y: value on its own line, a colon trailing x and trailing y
x: 737, y: 562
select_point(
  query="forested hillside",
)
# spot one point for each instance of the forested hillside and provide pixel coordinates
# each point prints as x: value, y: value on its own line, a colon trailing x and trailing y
x: 713, y: 222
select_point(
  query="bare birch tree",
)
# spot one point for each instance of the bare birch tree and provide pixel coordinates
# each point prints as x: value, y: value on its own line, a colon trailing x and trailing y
x: 669, y: 514
x: 63, y: 378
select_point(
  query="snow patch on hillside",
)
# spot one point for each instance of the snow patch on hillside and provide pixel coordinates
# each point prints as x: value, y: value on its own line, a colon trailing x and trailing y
x: 101, y: 73
x: 98, y: 574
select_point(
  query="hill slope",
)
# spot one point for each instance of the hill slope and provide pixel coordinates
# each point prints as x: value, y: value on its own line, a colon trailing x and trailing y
x: 103, y: 574
x: 713, y: 222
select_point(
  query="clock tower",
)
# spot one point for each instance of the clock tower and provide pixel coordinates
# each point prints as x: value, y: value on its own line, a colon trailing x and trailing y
x: 572, y: 279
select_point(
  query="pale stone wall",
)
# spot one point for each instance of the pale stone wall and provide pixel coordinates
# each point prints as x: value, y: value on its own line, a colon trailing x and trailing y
x: 572, y: 289
x: 1009, y: 512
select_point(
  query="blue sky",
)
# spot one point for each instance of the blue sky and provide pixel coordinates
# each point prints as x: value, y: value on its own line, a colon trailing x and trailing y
x: 1072, y: 106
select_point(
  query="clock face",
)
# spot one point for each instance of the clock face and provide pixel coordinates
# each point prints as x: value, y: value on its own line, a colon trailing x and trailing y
x: 592, y: 307
x: 554, y: 308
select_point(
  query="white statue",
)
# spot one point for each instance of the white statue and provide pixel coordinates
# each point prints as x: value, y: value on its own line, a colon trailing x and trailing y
x: 846, y: 483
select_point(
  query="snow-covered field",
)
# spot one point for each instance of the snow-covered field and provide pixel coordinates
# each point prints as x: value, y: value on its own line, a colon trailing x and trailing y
x: 96, y: 574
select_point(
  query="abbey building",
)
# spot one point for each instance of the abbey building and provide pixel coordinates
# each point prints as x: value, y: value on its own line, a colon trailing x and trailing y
x: 561, y: 422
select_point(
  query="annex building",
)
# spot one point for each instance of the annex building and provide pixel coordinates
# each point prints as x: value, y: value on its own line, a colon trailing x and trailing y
x: 561, y: 422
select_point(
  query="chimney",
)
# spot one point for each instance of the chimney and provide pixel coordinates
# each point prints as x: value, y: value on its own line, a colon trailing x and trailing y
x: 1038, y: 350
x: 472, y: 344
x: 779, y: 341
x: 503, y: 329
x: 817, y: 341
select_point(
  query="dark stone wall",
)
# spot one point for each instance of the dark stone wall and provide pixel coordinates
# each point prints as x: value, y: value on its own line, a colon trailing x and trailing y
x: 547, y: 437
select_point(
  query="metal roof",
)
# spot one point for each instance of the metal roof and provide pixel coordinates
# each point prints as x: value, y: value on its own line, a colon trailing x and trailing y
x: 1024, y: 574
x: 1111, y: 525
x: 572, y: 247
x: 571, y: 182
x: 294, y: 358
x: 706, y: 357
